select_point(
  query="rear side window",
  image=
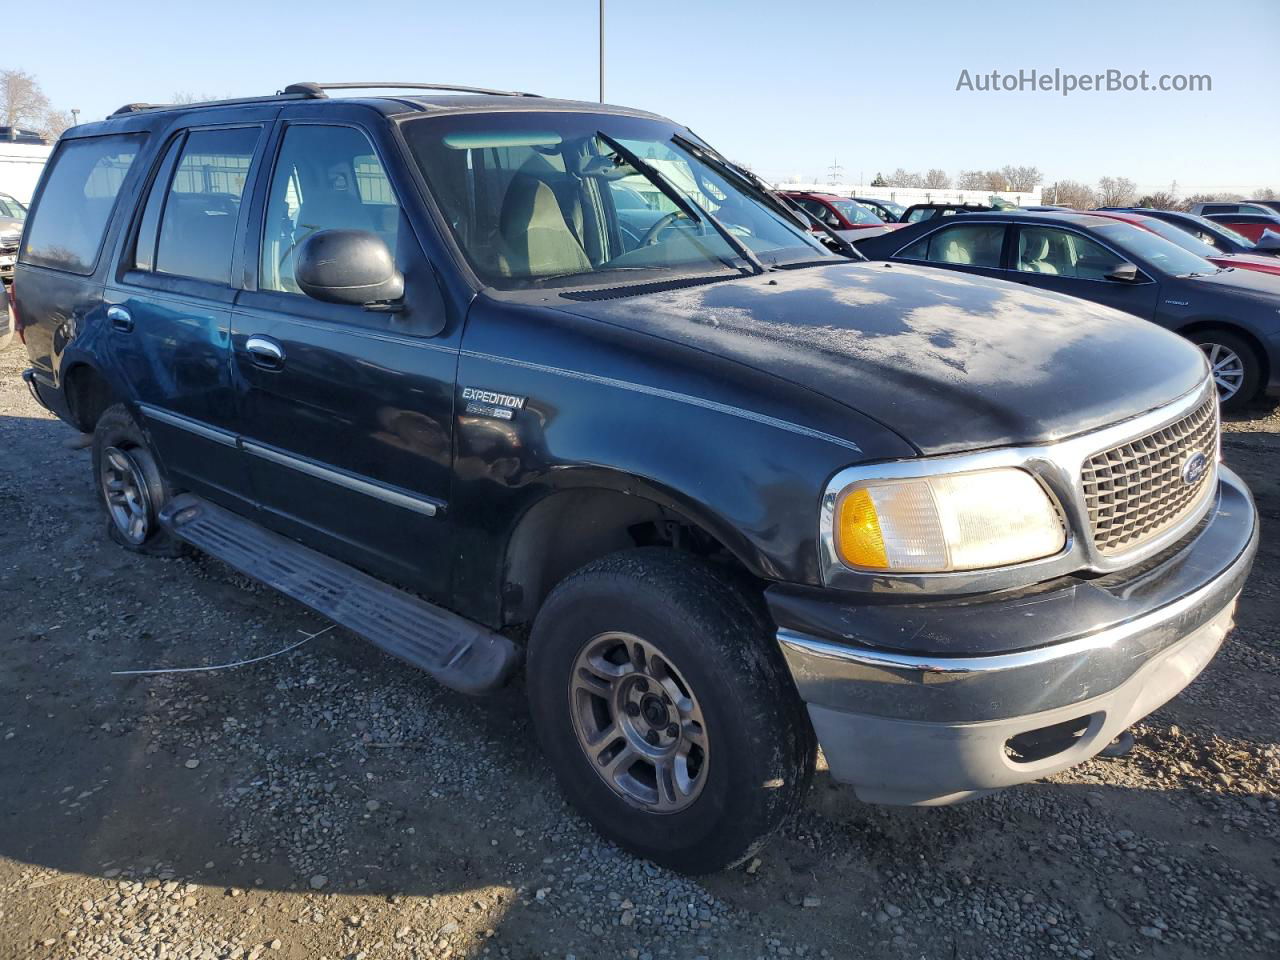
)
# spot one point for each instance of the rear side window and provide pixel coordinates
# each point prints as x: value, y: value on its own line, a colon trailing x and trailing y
x: 974, y: 244
x: 199, y: 206
x: 66, y: 230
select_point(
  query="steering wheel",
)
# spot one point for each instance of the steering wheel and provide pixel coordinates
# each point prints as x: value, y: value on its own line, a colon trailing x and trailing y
x: 662, y: 223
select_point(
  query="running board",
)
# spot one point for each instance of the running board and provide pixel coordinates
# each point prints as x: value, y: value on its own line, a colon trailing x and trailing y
x: 458, y: 652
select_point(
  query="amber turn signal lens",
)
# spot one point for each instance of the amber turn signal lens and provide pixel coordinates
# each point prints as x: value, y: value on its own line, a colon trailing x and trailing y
x: 859, y: 537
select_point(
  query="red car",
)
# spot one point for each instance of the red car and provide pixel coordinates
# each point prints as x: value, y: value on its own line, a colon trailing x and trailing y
x: 1245, y: 261
x: 838, y: 213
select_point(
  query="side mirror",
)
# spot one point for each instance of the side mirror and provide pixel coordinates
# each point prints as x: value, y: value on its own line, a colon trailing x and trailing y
x: 1123, y: 273
x: 348, y: 266
x: 1269, y: 242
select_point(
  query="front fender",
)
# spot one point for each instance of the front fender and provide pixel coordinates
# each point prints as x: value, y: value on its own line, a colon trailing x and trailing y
x: 734, y: 450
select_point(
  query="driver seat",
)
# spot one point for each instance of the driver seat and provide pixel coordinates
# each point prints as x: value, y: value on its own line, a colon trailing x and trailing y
x: 1033, y: 254
x: 536, y: 239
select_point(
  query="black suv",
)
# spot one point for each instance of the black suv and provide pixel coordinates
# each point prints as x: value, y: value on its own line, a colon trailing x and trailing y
x: 495, y: 380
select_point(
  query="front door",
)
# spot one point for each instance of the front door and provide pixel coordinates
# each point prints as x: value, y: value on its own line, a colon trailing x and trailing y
x: 346, y: 411
x: 1065, y: 261
x: 169, y: 307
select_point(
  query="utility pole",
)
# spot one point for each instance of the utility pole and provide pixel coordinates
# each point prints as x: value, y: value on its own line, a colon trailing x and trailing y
x: 602, y: 51
x: 75, y: 116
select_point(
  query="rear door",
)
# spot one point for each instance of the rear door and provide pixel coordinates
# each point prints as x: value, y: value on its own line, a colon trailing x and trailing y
x: 347, y: 412
x: 169, y: 303
x: 1066, y: 261
x: 971, y: 246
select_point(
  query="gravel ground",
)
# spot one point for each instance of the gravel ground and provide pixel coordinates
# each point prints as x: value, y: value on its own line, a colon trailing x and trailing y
x: 333, y: 803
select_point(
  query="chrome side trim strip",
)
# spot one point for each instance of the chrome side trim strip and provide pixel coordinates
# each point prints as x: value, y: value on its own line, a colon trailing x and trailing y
x: 216, y: 434
x: 396, y: 498
x: 672, y: 395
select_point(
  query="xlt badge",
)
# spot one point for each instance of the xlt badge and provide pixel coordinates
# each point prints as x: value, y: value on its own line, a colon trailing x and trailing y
x: 491, y: 403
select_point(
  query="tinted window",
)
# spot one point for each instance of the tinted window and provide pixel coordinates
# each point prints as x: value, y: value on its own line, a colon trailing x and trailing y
x: 79, y: 194
x: 1065, y: 254
x: 202, y: 204
x: 975, y: 244
x: 326, y: 178
x: 144, y: 257
x: 1221, y: 208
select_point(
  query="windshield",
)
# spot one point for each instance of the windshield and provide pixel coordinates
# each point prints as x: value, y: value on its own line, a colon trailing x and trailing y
x: 896, y: 209
x: 1155, y: 250
x: 567, y: 199
x: 855, y: 212
x: 11, y: 208
x: 1179, y: 236
x: 1213, y: 227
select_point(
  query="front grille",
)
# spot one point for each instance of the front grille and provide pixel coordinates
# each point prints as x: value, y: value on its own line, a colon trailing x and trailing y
x: 1139, y: 489
x: 10, y: 239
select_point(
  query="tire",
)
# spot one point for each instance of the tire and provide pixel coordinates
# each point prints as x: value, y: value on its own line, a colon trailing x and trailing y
x: 130, y: 486
x: 1246, y: 376
x: 709, y: 649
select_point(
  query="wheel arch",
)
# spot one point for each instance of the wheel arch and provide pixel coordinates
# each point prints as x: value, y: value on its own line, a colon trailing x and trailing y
x: 575, y: 525
x: 1227, y: 326
x: 88, y: 394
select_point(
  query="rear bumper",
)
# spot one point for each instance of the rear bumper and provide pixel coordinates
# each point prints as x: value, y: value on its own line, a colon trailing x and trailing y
x: 919, y: 728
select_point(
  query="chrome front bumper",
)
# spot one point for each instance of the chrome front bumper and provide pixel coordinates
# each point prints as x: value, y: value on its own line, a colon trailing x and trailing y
x: 914, y: 727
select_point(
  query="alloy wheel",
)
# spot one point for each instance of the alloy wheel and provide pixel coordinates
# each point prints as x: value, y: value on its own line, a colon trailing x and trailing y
x: 124, y: 488
x: 1227, y: 367
x: 639, y: 723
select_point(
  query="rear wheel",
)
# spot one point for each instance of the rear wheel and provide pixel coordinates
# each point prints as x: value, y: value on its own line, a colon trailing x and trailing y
x: 666, y: 711
x: 1236, y: 366
x: 131, y: 489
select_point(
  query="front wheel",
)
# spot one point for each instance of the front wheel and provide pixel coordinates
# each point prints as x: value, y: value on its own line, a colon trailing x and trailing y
x: 666, y: 711
x: 1236, y: 367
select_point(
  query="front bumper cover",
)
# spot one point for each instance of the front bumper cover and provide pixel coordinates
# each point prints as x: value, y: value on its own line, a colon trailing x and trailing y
x: 922, y: 727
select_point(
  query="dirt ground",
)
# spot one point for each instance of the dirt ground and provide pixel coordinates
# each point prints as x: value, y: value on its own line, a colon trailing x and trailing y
x: 334, y: 803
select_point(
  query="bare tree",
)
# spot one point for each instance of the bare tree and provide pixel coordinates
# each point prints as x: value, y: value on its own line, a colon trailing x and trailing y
x: 1021, y: 179
x: 905, y: 178
x: 55, y: 122
x: 1160, y: 200
x: 1071, y: 193
x: 22, y: 102
x: 1266, y: 193
x: 937, y: 179
x: 1116, y: 192
x: 971, y: 180
x: 996, y: 181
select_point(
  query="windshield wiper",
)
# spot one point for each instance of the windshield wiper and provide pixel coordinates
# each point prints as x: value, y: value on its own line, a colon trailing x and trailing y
x: 687, y: 206
x: 755, y: 186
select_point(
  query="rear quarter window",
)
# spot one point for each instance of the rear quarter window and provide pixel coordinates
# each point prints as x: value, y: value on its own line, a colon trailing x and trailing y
x: 66, y: 228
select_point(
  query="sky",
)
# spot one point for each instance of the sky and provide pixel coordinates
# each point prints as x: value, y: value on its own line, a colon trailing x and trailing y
x: 788, y: 89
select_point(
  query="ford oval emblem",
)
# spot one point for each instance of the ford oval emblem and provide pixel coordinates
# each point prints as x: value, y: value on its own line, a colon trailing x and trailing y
x: 1193, y: 468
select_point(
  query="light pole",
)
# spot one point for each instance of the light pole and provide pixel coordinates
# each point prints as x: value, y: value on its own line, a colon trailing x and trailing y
x: 75, y: 116
x: 602, y: 51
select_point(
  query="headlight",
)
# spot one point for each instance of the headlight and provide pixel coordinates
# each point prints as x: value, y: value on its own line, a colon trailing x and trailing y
x: 962, y: 521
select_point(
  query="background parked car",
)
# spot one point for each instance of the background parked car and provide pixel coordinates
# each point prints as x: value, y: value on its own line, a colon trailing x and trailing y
x: 928, y: 211
x: 838, y: 213
x: 1217, y: 235
x: 1242, y: 206
x: 12, y: 215
x: 1254, y: 226
x: 1234, y: 315
x: 1188, y: 242
x: 886, y: 210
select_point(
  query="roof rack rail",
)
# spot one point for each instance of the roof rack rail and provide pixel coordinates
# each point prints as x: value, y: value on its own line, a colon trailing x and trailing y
x: 142, y: 107
x: 318, y: 89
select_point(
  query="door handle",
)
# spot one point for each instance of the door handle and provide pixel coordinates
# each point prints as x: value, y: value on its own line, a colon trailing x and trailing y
x: 265, y: 352
x: 121, y: 319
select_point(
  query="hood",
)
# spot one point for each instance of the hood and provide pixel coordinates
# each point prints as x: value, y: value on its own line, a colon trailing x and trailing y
x: 1249, y: 283
x: 951, y: 361
x: 9, y: 225
x: 1248, y: 261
